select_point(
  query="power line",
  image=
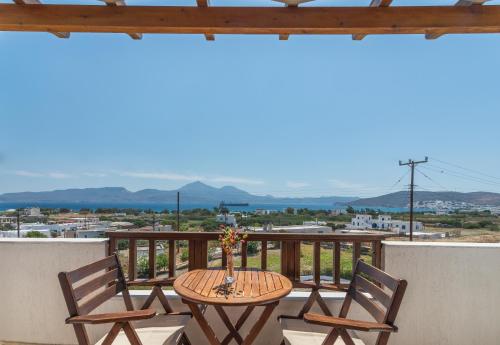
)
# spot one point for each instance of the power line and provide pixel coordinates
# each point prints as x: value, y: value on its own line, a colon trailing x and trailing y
x: 463, y: 176
x: 430, y: 179
x: 466, y: 169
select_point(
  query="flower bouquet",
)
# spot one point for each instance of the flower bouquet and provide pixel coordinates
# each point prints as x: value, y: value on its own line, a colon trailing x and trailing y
x: 229, y: 240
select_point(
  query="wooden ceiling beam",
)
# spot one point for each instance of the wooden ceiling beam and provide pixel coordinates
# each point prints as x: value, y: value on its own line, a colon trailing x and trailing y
x: 205, y: 3
x: 432, y: 35
x: 134, y: 36
x: 373, y: 3
x: 251, y: 20
x: 37, y: 2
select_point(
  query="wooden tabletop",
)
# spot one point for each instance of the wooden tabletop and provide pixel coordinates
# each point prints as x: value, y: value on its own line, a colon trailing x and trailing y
x: 252, y: 286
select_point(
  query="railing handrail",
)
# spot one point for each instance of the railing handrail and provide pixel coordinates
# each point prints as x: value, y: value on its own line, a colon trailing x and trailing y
x: 252, y: 236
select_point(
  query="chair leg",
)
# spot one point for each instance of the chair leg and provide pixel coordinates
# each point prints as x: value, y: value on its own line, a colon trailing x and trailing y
x: 346, y: 337
x: 331, y: 337
x: 150, y: 299
x: 163, y: 299
x: 131, y: 334
x: 112, y: 334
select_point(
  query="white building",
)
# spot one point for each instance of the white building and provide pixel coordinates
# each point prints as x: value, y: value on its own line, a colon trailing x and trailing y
x: 228, y: 219
x: 382, y: 222
x: 32, y: 212
x: 8, y: 220
x: 262, y: 212
x: 23, y: 233
x: 303, y: 229
x: 314, y: 222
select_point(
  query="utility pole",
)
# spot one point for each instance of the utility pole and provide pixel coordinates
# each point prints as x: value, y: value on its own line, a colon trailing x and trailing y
x: 178, y: 211
x: 18, y: 224
x: 154, y: 220
x: 411, y: 163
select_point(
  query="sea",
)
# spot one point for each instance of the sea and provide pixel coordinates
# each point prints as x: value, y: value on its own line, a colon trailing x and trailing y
x: 172, y: 206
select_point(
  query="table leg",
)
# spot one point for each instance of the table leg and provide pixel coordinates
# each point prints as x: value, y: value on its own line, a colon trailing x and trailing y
x: 241, y: 321
x: 268, y: 310
x: 233, y: 333
x: 205, y: 327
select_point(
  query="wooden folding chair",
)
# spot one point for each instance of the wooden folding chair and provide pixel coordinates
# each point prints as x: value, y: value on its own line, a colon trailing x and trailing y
x: 88, y: 287
x: 386, y: 296
x: 290, y: 266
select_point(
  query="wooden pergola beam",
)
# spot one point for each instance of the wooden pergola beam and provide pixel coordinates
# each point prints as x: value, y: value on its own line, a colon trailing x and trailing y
x: 250, y: 20
x: 206, y: 3
x: 134, y: 36
x: 373, y: 3
x: 37, y: 2
x: 436, y: 34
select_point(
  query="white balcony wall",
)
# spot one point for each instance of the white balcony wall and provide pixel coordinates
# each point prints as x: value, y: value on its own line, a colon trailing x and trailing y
x: 453, y: 295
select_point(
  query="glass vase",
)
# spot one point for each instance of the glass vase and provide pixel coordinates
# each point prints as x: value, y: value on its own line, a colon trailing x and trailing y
x: 230, y: 268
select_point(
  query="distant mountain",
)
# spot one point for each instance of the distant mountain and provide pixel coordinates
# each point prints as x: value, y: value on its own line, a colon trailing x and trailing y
x: 400, y: 199
x: 192, y: 193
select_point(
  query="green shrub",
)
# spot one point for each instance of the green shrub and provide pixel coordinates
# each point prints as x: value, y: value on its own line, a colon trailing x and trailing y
x: 161, y: 262
x: 184, y: 255
x: 252, y: 248
x: 35, y: 234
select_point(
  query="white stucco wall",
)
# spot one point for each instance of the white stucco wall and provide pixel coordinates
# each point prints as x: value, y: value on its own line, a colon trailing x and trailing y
x: 453, y: 294
x: 32, y: 307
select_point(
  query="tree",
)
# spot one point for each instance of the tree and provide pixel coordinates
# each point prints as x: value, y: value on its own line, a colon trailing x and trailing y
x: 290, y: 210
x: 350, y: 209
x: 35, y: 234
x: 210, y: 225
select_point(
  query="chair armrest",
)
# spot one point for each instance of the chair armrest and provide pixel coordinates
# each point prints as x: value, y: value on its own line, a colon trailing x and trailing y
x: 338, y: 322
x: 113, y: 317
x: 151, y: 282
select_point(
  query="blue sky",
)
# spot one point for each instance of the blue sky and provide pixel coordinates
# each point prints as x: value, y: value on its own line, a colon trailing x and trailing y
x: 309, y: 116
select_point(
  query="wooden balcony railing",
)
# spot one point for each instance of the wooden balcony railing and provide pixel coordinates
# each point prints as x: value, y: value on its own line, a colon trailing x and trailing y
x: 290, y: 245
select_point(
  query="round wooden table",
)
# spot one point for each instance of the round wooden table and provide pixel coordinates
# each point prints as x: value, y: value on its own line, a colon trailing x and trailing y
x: 252, y: 287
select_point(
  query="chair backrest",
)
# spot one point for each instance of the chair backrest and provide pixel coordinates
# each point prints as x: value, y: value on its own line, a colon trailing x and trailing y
x: 387, y: 293
x: 105, y: 279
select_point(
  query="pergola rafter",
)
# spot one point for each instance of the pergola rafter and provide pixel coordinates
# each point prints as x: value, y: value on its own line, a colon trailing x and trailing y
x: 374, y: 3
x: 290, y: 3
x: 206, y: 3
x: 434, y: 35
x: 212, y: 20
x: 37, y: 2
x: 134, y: 36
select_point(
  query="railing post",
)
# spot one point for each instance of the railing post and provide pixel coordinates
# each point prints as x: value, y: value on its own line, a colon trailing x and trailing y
x: 356, y: 253
x: 244, y: 247
x: 111, y: 246
x: 263, y: 255
x: 171, y: 258
x: 317, y: 262
x: 198, y: 250
x: 336, y: 263
x: 377, y: 253
x: 152, y: 259
x: 132, y: 258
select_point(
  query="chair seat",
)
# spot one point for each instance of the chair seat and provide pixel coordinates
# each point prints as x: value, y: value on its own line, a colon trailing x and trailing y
x: 150, y: 336
x: 311, y: 338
